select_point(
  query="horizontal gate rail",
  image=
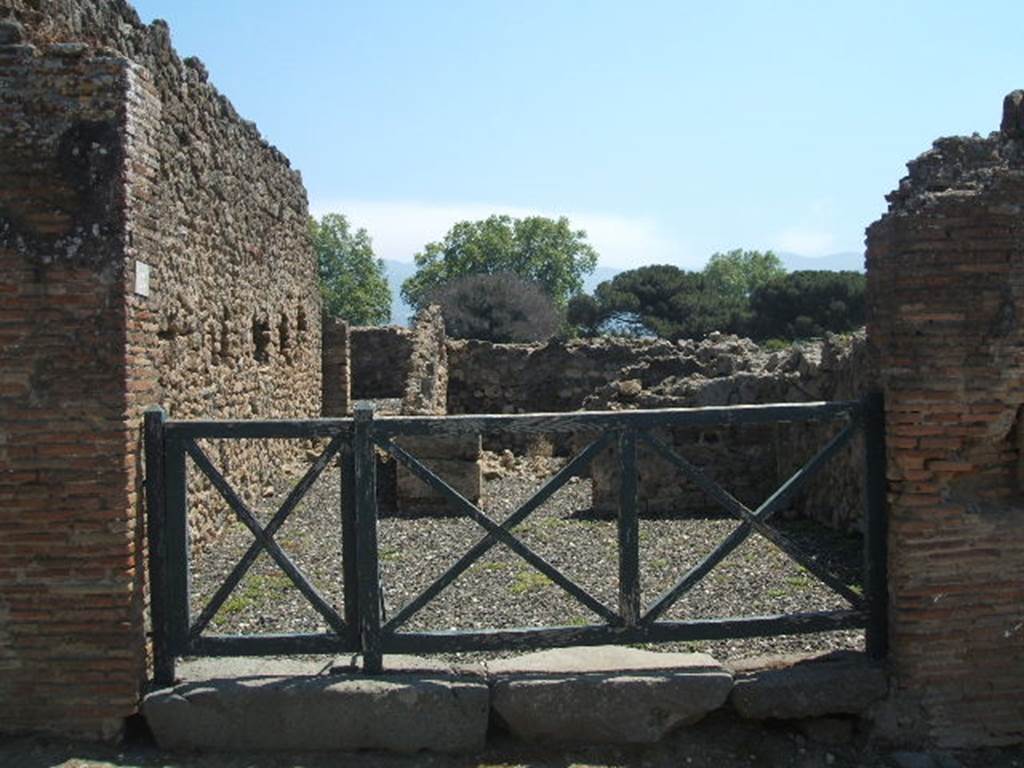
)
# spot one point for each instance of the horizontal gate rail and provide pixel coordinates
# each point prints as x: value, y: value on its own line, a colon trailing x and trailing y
x: 360, y: 626
x: 659, y: 632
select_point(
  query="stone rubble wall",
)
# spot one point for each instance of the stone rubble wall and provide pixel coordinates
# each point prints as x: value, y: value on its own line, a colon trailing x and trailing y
x: 751, y: 462
x: 616, y: 373
x: 555, y: 376
x: 426, y: 381
x: 380, y: 358
x: 115, y: 153
x: 455, y: 459
x: 945, y: 298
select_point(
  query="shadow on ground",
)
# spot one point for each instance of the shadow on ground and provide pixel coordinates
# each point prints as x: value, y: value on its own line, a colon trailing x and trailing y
x: 720, y: 741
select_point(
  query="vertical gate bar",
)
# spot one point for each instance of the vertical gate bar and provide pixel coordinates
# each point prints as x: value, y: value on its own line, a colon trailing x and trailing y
x: 349, y: 549
x: 629, y: 531
x: 365, y: 471
x: 176, y: 552
x: 876, y: 527
x: 156, y: 521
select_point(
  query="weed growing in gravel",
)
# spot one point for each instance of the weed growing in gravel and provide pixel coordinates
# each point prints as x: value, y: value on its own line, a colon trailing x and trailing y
x: 528, y: 580
x: 488, y: 567
x: 258, y: 589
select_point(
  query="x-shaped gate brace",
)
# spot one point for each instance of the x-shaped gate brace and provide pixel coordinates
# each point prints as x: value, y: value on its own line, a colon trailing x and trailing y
x: 264, y: 538
x: 752, y: 520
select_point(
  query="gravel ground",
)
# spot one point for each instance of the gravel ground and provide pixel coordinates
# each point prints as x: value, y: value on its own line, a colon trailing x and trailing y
x: 502, y: 590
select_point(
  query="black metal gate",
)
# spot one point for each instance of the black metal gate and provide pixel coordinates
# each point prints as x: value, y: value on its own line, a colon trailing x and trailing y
x: 359, y: 627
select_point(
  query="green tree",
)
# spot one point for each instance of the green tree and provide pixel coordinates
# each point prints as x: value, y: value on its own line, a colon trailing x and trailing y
x: 499, y: 307
x: 732, y: 277
x: 808, y: 303
x: 661, y: 300
x: 535, y: 248
x: 353, y: 282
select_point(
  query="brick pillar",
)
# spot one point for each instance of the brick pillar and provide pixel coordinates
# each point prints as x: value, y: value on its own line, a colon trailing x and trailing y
x: 72, y: 654
x: 337, y: 369
x: 945, y: 271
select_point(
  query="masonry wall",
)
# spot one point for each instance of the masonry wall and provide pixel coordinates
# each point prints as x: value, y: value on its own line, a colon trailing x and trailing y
x: 336, y: 389
x: 553, y: 376
x: 750, y: 461
x: 70, y: 629
x: 380, y: 361
x: 123, y: 155
x: 456, y: 459
x: 946, y: 295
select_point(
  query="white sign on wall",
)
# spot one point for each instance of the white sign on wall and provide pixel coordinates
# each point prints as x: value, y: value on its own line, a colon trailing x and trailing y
x: 142, y: 278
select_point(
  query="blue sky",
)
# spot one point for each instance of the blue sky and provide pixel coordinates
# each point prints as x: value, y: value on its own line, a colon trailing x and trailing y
x: 668, y: 130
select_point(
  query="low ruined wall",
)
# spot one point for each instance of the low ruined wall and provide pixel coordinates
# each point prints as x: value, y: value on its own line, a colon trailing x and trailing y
x: 554, y: 376
x: 945, y: 298
x: 751, y: 462
x: 123, y: 163
x: 380, y: 361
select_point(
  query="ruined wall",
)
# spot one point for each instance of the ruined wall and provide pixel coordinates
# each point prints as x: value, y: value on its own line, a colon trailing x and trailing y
x: 336, y: 390
x: 456, y: 459
x: 554, y: 376
x: 945, y: 287
x: 116, y: 154
x: 380, y: 361
x: 426, y: 382
x: 749, y: 461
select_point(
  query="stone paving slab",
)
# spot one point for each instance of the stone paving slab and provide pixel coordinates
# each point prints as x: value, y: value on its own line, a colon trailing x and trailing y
x: 605, y: 694
x: 837, y: 684
x: 263, y: 711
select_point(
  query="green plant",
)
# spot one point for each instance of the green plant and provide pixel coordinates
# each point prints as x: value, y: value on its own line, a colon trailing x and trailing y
x: 257, y: 590
x: 528, y: 580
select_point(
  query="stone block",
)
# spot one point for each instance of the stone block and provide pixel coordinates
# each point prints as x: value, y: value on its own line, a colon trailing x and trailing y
x: 839, y: 684
x: 465, y: 447
x: 462, y: 475
x: 606, y: 694
x: 397, y: 713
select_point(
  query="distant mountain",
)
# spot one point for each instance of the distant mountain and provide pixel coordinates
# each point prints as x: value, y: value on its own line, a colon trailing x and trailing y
x: 399, y: 271
x: 848, y: 261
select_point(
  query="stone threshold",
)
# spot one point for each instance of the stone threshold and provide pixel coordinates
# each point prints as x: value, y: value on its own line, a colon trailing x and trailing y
x: 605, y: 694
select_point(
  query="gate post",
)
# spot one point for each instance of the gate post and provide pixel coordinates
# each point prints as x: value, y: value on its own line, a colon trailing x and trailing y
x: 876, y: 528
x: 349, y: 537
x: 365, y: 471
x: 629, y: 531
x: 156, y: 521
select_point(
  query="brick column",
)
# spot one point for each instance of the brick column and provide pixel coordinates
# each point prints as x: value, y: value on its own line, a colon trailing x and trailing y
x: 71, y: 638
x: 946, y: 305
x: 336, y: 395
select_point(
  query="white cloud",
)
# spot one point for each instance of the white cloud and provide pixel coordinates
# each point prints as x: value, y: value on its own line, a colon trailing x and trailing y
x: 805, y: 241
x: 812, y: 235
x: 401, y: 228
